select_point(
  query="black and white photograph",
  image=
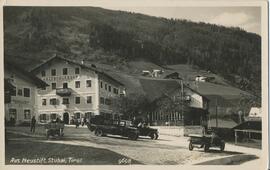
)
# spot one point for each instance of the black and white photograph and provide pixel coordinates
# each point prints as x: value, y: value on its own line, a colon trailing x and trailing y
x: 134, y: 85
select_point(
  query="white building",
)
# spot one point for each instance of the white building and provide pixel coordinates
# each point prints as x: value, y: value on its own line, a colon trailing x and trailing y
x: 20, y: 96
x: 75, y: 90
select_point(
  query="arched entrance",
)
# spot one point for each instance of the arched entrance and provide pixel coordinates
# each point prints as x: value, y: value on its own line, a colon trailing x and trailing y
x: 66, y: 118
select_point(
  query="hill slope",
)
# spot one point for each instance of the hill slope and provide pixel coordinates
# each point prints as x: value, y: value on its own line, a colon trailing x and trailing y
x: 118, y: 38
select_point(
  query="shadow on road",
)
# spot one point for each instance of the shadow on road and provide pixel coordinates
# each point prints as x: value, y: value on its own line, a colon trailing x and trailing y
x: 223, y: 152
x: 61, y: 154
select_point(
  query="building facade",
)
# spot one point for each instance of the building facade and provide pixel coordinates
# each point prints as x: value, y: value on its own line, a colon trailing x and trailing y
x: 75, y: 91
x: 20, y: 96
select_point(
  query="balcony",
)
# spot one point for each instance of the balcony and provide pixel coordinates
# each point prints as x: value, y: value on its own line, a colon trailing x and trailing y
x: 63, y: 92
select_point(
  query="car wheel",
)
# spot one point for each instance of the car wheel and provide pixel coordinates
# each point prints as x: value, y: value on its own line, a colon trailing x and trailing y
x: 222, y: 146
x: 133, y: 136
x: 206, y: 147
x: 154, y: 136
x: 98, y: 132
x: 190, y: 146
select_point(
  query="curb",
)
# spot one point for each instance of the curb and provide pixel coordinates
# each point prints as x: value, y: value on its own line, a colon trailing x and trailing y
x: 232, y: 160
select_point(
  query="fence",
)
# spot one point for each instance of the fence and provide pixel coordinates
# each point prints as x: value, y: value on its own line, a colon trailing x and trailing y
x: 170, y: 130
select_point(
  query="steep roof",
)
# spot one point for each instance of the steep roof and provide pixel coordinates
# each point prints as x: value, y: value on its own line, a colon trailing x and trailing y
x: 227, y: 92
x: 9, y: 65
x: 157, y: 88
x: 85, y: 66
x: 225, y: 96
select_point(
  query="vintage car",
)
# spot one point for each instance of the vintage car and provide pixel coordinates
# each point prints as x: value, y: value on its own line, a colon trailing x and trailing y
x: 147, y: 131
x: 54, y: 128
x: 210, y: 139
x: 115, y: 127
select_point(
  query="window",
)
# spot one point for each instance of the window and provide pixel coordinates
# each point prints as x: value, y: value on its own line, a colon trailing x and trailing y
x: 105, y: 86
x: 110, y: 88
x: 53, y: 101
x: 88, y: 115
x: 43, y: 117
x: 102, y: 100
x: 65, y: 71
x: 115, y: 90
x: 53, y: 86
x: 26, y: 92
x: 53, y: 72
x: 20, y: 92
x: 77, y: 115
x: 13, y: 113
x: 27, y: 114
x: 107, y: 101
x: 101, y: 84
x: 65, y: 85
x: 44, y: 102
x: 43, y: 73
x: 77, y: 84
x: 89, y: 99
x: 77, y: 100
x: 77, y: 70
x: 13, y: 92
x: 65, y: 101
x: 53, y: 116
x: 88, y: 83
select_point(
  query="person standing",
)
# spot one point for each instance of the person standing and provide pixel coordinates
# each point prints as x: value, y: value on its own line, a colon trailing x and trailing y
x: 33, y: 124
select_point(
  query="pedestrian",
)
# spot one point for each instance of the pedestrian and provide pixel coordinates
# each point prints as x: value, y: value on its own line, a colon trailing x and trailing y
x: 76, y: 123
x: 33, y: 124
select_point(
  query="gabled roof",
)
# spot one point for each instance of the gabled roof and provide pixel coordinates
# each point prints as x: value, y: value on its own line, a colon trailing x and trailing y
x: 157, y: 88
x: 85, y: 66
x: 9, y: 65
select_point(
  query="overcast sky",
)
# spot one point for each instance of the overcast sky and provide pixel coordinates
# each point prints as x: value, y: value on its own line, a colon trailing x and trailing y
x: 248, y: 18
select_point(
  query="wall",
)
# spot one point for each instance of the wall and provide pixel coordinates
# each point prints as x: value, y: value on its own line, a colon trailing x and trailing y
x: 70, y: 78
x: 20, y: 103
x: 106, y: 94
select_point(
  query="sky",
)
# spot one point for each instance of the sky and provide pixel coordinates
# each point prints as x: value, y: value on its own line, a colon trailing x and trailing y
x: 247, y: 18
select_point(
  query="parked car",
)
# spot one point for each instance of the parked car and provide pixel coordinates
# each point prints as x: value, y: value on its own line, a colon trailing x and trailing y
x: 147, y: 131
x: 115, y: 127
x: 206, y: 141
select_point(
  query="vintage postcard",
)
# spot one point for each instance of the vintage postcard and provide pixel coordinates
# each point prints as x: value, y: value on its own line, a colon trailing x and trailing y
x: 125, y: 84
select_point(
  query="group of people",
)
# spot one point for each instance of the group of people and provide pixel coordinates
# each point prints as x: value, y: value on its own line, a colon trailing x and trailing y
x: 77, y: 122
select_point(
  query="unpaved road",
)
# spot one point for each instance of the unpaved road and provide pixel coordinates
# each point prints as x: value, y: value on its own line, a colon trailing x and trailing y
x: 89, y: 149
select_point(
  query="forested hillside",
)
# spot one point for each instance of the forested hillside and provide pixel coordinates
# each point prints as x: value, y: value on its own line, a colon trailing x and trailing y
x: 116, y: 37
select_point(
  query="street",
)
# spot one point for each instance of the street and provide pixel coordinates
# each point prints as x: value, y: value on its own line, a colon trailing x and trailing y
x: 80, y: 146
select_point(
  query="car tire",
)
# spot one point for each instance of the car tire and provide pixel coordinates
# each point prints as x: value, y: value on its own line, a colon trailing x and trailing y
x: 133, y: 136
x: 190, y: 146
x: 154, y: 136
x: 99, y: 132
x: 222, y: 146
x: 206, y: 147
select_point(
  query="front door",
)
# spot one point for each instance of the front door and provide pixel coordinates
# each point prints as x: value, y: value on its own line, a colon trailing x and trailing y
x: 66, y: 118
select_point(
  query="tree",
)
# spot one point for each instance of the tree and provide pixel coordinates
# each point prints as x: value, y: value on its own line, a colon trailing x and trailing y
x: 131, y: 106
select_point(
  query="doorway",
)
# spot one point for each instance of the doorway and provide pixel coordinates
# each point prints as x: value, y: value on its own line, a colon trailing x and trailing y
x: 66, y: 118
